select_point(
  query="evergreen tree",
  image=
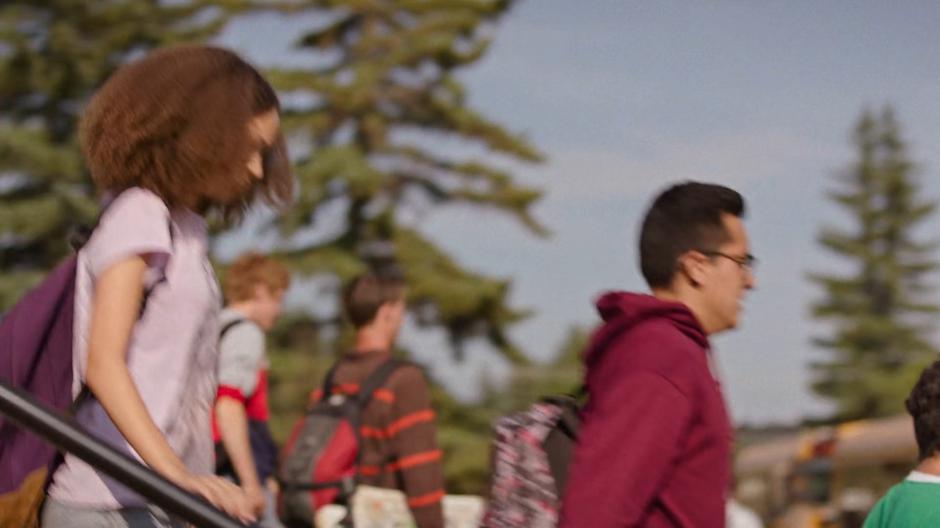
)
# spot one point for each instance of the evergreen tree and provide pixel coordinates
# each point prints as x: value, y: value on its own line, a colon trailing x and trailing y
x: 382, y: 101
x: 386, y: 132
x: 880, y: 310
x: 53, y: 55
x: 563, y: 375
x: 465, y: 436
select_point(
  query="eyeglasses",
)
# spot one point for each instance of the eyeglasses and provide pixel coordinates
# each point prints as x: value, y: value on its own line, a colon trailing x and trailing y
x: 746, y: 262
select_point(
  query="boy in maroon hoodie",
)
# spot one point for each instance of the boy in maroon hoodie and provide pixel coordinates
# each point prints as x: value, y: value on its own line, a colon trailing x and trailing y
x: 655, y: 445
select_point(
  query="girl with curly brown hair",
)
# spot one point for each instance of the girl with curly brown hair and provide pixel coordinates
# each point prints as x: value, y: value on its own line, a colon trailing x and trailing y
x: 183, y: 134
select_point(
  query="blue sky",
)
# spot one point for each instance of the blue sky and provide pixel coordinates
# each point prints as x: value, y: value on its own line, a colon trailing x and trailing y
x: 627, y: 97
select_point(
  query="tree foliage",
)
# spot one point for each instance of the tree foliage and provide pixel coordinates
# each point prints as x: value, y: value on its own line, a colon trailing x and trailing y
x: 379, y: 114
x: 880, y: 310
x: 53, y: 55
x: 383, y: 133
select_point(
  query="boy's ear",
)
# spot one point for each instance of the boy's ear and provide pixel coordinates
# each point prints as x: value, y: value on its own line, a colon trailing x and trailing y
x: 382, y: 312
x: 260, y: 291
x: 386, y: 308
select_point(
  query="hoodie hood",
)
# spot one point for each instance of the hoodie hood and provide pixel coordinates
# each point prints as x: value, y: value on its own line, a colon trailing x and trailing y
x: 623, y: 309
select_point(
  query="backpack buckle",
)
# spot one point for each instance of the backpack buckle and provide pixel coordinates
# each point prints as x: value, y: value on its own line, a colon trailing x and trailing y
x: 347, y: 486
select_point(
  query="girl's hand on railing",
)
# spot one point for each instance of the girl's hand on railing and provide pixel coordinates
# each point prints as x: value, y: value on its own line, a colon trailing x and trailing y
x: 222, y: 493
x: 255, y: 496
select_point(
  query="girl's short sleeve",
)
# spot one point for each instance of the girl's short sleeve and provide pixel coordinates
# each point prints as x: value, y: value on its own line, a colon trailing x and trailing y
x: 136, y: 223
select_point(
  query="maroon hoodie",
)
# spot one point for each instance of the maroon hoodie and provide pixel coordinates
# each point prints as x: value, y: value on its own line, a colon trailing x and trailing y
x: 654, y: 447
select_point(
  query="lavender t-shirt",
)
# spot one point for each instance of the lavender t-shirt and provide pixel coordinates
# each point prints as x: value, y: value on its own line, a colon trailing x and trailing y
x: 173, y: 349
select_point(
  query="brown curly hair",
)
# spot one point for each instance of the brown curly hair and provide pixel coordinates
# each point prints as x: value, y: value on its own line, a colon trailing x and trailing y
x: 250, y: 270
x: 176, y: 122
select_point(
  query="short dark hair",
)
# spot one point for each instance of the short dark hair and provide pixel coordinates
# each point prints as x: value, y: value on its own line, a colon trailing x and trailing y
x: 924, y: 406
x: 684, y: 217
x: 367, y: 293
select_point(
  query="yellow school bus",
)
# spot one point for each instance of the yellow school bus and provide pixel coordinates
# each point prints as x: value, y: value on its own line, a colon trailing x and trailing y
x: 825, y: 477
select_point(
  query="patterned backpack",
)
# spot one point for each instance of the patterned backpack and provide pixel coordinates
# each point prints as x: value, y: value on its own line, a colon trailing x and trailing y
x: 531, y: 452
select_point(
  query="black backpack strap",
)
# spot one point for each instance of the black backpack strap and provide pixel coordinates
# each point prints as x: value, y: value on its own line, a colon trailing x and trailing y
x: 328, y: 380
x: 376, y: 379
x: 568, y: 420
x: 229, y: 325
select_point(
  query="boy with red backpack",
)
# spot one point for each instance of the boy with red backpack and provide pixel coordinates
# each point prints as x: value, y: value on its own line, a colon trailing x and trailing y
x: 371, y: 422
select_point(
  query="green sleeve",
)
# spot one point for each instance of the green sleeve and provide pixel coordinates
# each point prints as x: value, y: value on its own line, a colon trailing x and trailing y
x: 878, y: 516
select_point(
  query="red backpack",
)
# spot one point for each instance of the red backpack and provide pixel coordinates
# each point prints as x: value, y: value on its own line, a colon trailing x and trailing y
x: 320, y: 462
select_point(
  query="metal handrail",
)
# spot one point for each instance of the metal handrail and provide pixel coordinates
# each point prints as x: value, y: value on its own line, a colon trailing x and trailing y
x: 68, y: 436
